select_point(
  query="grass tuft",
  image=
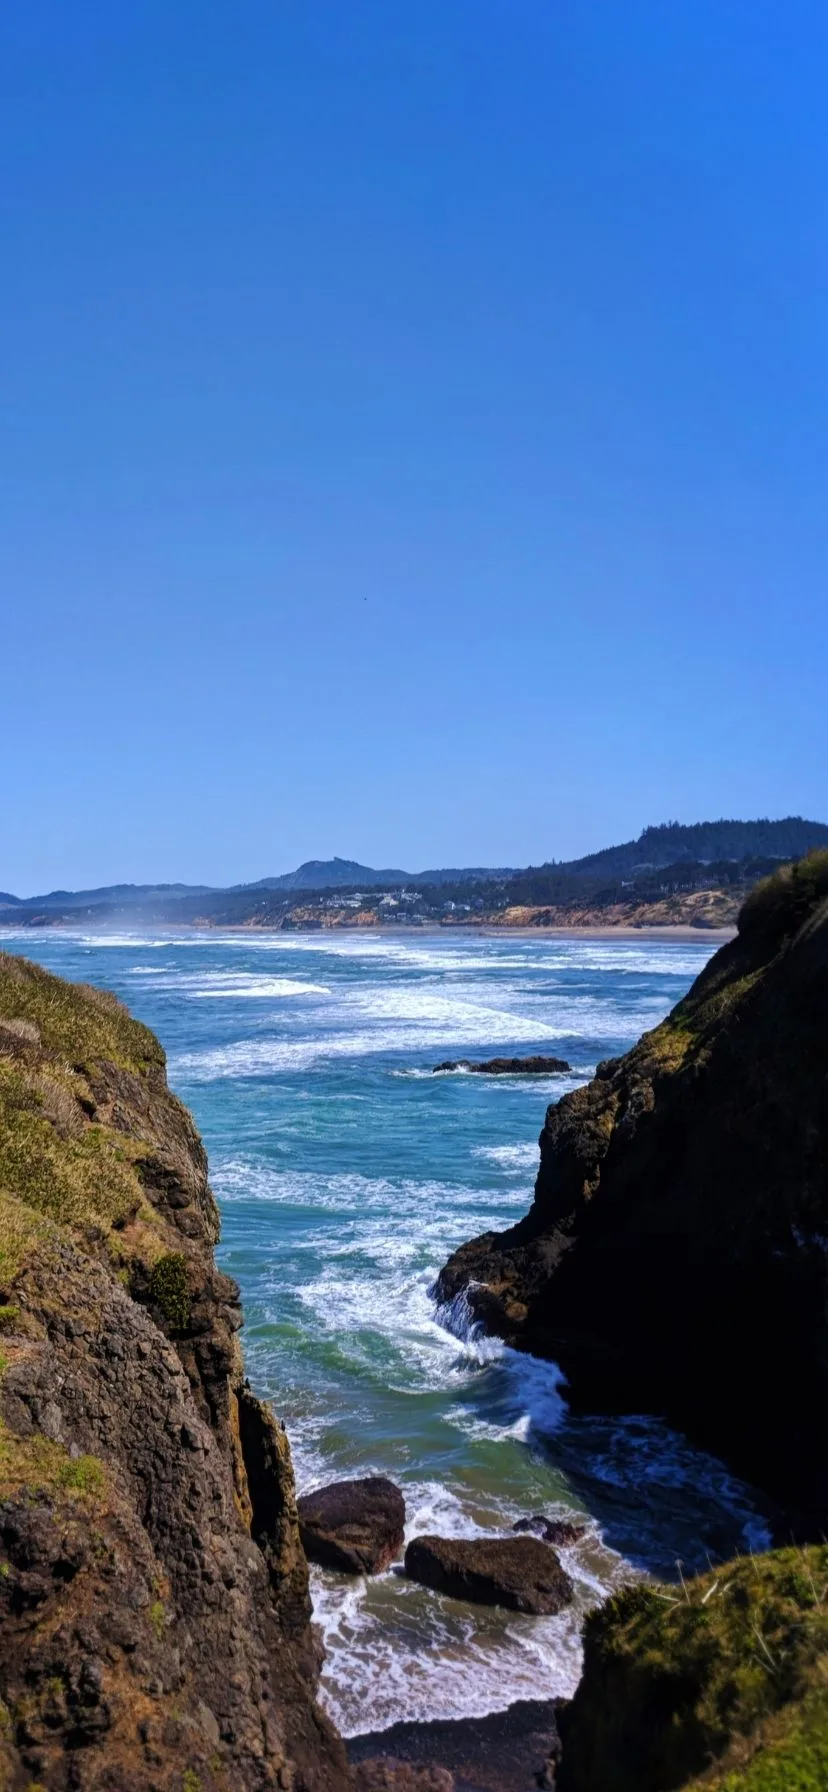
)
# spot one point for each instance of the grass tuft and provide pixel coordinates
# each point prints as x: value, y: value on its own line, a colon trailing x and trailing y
x: 37, y: 1465
x: 79, y: 1023
x: 169, y: 1290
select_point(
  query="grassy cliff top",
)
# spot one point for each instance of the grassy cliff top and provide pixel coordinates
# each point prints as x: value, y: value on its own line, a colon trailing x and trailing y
x: 721, y: 1682
x: 77, y: 1022
x: 65, y: 1156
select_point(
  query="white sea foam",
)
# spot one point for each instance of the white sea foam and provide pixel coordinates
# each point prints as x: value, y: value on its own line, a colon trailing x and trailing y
x: 398, y: 1651
x: 515, y: 1159
x: 337, y: 1266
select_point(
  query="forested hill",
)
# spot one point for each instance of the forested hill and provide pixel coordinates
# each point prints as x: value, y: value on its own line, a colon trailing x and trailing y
x: 705, y: 842
x: 668, y: 874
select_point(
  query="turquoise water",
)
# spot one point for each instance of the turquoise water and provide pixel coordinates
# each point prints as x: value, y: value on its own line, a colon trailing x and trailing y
x: 346, y: 1174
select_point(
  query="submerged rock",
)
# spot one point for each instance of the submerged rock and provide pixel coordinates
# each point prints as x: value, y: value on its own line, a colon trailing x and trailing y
x: 551, y: 1530
x: 357, y: 1526
x: 536, y: 1066
x: 519, y: 1572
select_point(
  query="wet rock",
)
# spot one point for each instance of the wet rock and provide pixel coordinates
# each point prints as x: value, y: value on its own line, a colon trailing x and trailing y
x: 519, y: 1572
x: 385, y: 1774
x: 537, y: 1066
x: 356, y: 1526
x: 505, y: 1751
x: 551, y: 1530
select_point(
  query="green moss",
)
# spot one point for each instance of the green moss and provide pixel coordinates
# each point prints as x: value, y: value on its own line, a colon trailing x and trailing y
x: 158, y: 1618
x: 780, y: 904
x: 9, y: 1318
x: 795, y: 1761
x: 169, y: 1290
x: 21, y: 1232
x: 676, y: 1679
x: 38, y: 1465
x: 83, y: 1474
x: 79, y: 1023
x: 69, y: 1179
x: 191, y: 1781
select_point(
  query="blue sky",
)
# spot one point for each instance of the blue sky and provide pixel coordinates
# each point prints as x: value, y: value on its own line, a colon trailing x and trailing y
x: 414, y: 439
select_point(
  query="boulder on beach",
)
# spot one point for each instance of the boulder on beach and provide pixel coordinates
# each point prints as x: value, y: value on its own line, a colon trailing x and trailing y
x: 356, y: 1526
x: 536, y: 1066
x: 551, y: 1530
x: 519, y: 1572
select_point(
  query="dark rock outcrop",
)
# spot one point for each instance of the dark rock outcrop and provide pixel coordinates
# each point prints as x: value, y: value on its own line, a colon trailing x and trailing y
x: 356, y: 1526
x: 536, y: 1066
x: 155, y: 1612
x: 675, y: 1258
x: 519, y: 1572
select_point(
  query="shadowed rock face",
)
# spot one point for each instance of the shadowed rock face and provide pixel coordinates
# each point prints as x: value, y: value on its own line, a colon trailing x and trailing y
x: 519, y: 1572
x: 154, y: 1594
x: 356, y: 1526
x: 675, y: 1258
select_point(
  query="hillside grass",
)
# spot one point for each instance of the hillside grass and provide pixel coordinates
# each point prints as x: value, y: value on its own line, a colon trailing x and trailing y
x: 721, y: 1682
x: 781, y: 904
x: 77, y: 1022
x: 70, y: 1179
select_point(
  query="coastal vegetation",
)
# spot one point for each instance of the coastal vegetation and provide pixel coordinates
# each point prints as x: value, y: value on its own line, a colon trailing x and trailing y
x: 673, y: 874
x: 132, y: 1452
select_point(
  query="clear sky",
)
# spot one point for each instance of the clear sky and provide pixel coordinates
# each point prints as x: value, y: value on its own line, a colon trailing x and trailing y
x: 414, y: 438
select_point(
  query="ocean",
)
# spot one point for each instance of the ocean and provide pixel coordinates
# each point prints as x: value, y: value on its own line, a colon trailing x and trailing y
x: 346, y: 1173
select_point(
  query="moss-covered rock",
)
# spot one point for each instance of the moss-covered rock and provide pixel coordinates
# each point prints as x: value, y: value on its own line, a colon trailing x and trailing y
x: 721, y: 1682
x: 170, y: 1290
x: 154, y: 1611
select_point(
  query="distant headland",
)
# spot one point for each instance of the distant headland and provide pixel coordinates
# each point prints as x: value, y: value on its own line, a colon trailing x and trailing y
x: 673, y: 875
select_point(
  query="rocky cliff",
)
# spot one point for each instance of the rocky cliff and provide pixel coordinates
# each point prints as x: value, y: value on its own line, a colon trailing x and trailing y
x: 154, y: 1595
x: 675, y: 1257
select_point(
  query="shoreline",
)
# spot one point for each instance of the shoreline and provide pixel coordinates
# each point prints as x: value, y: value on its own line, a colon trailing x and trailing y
x: 670, y: 930
x: 678, y: 930
x: 505, y: 1751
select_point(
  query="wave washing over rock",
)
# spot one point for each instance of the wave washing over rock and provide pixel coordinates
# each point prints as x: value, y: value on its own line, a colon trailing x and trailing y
x: 347, y: 1173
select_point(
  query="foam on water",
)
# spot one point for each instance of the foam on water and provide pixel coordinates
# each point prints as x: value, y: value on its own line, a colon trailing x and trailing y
x: 347, y: 1173
x: 516, y: 1159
